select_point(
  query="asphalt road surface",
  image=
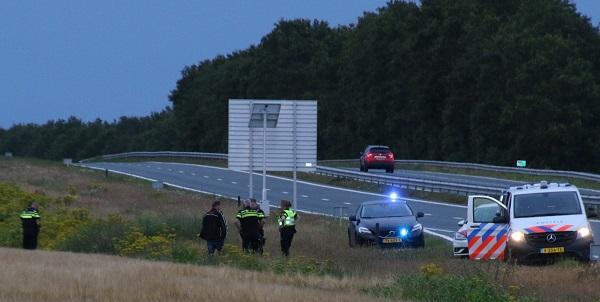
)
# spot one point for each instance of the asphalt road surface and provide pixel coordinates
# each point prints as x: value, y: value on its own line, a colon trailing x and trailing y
x: 440, y: 218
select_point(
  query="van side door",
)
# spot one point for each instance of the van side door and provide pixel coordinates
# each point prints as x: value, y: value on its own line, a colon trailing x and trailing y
x: 487, y: 228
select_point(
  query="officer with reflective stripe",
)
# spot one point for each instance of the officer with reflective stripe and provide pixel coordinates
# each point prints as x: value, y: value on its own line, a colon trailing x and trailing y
x: 287, y: 226
x: 250, y: 221
x: 30, y: 220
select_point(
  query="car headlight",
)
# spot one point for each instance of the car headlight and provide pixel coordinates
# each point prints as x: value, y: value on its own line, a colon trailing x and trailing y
x: 517, y: 236
x: 417, y: 227
x: 364, y: 230
x: 460, y: 236
x: 584, y: 232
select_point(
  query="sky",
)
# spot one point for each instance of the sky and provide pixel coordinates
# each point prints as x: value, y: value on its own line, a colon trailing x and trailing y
x: 112, y: 58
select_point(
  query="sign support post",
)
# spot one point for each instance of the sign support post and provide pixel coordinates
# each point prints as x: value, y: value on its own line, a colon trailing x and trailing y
x: 264, y: 180
x: 251, y: 159
x: 295, y: 155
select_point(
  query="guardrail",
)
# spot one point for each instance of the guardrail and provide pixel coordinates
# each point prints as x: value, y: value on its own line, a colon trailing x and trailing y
x: 485, y: 167
x: 426, y: 185
x: 401, y: 182
x: 159, y: 154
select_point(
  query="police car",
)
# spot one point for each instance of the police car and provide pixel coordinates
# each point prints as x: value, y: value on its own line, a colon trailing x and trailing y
x: 528, y: 221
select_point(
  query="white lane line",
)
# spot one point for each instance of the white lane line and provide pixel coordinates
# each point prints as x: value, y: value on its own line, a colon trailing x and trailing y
x: 324, y: 199
x: 305, y: 196
x: 284, y: 193
x: 325, y: 186
x: 158, y: 168
x: 193, y: 174
x: 458, y: 218
x: 347, y: 203
x: 205, y: 176
x: 170, y: 169
x: 233, y: 182
x: 147, y: 166
x: 427, y: 214
x: 180, y: 172
x: 426, y: 230
x: 220, y: 179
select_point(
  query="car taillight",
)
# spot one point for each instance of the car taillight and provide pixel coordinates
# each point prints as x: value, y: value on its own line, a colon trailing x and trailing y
x: 370, y: 155
x: 390, y: 155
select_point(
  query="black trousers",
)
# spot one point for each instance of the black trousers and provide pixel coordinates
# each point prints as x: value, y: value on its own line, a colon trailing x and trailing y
x: 30, y: 239
x: 287, y: 234
x: 251, y: 242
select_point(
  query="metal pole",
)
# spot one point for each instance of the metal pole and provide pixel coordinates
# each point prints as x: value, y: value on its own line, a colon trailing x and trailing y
x: 264, y: 190
x: 251, y: 161
x: 295, y: 168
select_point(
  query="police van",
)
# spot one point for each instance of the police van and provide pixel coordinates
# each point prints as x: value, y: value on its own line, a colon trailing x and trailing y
x: 544, y: 219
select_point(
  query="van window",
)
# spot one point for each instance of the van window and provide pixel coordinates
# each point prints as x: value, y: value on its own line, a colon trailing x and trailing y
x: 484, y: 210
x: 546, y: 204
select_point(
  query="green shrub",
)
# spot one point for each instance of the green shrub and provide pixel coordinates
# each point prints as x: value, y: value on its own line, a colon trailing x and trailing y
x: 185, y: 252
x: 98, y: 236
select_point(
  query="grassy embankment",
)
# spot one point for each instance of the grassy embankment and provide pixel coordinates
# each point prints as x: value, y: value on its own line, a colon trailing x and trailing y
x: 85, y: 212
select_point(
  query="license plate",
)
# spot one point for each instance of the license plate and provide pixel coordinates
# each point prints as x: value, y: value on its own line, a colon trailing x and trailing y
x: 392, y: 240
x: 553, y: 250
x: 379, y: 157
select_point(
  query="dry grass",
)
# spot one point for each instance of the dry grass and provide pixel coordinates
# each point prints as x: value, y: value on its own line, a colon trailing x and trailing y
x: 317, y: 238
x: 55, y: 276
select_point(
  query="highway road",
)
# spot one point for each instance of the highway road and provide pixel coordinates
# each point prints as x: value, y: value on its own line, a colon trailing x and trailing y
x: 440, y: 218
x: 467, y: 179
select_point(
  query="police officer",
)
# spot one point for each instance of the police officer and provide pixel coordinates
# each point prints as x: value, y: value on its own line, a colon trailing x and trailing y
x: 287, y: 226
x: 261, y: 223
x: 239, y: 215
x: 30, y: 220
x: 250, y: 221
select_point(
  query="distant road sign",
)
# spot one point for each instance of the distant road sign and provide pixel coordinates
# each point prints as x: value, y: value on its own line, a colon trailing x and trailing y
x: 521, y: 163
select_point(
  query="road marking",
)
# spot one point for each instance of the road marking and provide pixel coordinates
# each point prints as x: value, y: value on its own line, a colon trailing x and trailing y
x: 158, y: 168
x: 147, y: 166
x: 220, y: 179
x: 170, y: 169
x: 193, y: 174
x: 427, y: 214
x: 323, y: 186
x: 205, y: 176
x: 347, y: 203
x: 426, y: 230
x: 324, y: 199
x: 180, y: 172
x: 458, y: 218
x: 305, y: 196
x: 233, y: 182
x: 284, y: 193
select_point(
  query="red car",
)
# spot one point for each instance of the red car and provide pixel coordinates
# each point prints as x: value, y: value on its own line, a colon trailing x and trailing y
x: 377, y: 157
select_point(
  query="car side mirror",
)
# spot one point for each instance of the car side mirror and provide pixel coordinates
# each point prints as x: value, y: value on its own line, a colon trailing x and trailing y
x: 352, y: 218
x: 420, y: 214
x: 461, y: 223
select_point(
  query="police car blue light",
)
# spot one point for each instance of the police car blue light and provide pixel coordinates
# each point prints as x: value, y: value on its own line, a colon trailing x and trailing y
x: 393, y: 196
x: 403, y: 232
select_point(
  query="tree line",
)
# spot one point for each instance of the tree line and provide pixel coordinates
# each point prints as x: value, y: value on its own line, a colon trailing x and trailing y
x: 461, y: 80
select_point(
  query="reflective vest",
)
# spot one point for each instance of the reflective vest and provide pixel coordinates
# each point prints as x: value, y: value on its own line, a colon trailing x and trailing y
x: 245, y: 213
x: 29, y: 214
x: 288, y: 218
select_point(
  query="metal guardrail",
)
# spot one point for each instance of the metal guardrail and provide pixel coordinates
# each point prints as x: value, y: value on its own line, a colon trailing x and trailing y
x: 159, y: 154
x: 485, y: 167
x: 396, y: 181
x: 426, y: 185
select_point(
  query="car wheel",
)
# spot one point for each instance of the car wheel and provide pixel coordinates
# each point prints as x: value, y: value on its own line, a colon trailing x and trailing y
x: 351, y: 239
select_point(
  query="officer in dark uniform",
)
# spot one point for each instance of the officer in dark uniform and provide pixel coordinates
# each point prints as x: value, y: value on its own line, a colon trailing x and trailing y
x: 249, y: 223
x: 240, y: 213
x: 30, y: 220
x: 287, y: 226
x: 261, y: 223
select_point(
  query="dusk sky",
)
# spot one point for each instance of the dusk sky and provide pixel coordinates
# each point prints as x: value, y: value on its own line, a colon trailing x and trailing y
x: 106, y: 59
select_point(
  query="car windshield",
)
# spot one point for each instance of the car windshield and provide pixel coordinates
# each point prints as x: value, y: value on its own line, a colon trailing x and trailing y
x: 387, y: 209
x: 546, y: 204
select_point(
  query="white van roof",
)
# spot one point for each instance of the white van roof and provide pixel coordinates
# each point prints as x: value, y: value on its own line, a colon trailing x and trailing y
x: 541, y: 187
